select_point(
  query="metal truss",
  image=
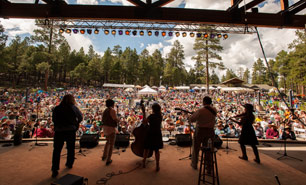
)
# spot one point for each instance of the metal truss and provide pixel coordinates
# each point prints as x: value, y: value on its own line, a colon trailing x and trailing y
x: 160, y: 26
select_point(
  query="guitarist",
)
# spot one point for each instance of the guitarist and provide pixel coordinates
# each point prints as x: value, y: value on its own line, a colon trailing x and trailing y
x: 153, y: 140
x: 205, y: 119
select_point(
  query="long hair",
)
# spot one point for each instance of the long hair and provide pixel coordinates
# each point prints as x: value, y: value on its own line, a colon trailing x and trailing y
x: 68, y: 99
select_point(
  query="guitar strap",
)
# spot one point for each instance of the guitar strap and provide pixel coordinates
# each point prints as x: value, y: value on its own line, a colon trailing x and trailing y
x: 211, y: 110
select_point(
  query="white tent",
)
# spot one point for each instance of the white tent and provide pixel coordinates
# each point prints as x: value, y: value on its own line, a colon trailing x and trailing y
x: 129, y: 90
x: 196, y: 88
x: 237, y: 89
x: 147, y: 90
x: 118, y: 85
x: 181, y: 87
x: 154, y: 87
x: 203, y: 87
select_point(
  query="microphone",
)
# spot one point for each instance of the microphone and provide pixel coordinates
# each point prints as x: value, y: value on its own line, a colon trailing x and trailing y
x: 276, y: 177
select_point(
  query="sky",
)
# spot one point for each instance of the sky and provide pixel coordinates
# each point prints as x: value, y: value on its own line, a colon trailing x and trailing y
x: 239, y: 50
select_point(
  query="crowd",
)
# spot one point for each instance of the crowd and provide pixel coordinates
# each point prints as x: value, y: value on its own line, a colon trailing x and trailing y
x: 33, y: 111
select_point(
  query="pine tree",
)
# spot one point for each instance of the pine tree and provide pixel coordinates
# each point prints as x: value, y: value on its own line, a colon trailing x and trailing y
x: 207, y: 49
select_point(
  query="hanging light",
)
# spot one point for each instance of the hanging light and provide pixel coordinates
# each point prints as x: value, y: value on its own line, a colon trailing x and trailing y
x: 61, y: 30
x: 219, y: 35
x: 134, y: 32
x: 75, y: 31
x: 127, y: 32
x: 225, y: 36
x: 96, y: 31
x: 82, y: 31
x: 149, y: 33
x: 212, y: 35
x: 191, y: 34
x: 120, y: 32
x: 68, y: 30
x: 184, y: 34
x: 89, y: 31
x: 199, y: 35
x: 170, y: 34
x: 141, y: 33
x: 106, y: 32
x: 205, y: 35
x: 177, y: 34
x: 164, y: 34
x: 113, y: 32
x: 156, y: 33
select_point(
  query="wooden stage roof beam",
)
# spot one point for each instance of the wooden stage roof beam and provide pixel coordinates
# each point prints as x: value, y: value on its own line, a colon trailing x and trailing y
x: 150, y: 13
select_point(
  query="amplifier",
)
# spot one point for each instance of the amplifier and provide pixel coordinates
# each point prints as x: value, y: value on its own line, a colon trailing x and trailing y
x: 183, y: 139
x: 69, y: 179
x: 89, y: 140
x: 122, y: 140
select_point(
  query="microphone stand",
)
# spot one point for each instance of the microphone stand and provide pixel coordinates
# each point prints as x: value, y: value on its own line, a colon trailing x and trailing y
x: 190, y: 136
x: 36, y: 125
x: 285, y: 151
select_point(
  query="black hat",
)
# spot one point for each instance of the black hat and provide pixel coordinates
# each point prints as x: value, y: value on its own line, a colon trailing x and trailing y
x: 249, y: 107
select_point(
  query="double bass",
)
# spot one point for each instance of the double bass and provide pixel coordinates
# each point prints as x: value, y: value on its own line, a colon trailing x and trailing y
x: 140, y: 133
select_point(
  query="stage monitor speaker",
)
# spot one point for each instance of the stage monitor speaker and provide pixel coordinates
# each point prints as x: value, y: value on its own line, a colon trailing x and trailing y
x: 69, y: 179
x: 122, y: 140
x: 183, y: 139
x: 89, y: 140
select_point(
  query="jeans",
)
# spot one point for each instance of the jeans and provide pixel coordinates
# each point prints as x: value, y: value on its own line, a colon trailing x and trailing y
x: 59, y: 139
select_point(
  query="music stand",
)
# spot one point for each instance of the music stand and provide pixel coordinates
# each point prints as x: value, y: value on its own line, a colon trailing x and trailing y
x: 227, y: 148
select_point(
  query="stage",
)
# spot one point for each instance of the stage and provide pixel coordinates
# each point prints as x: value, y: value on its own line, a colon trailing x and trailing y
x: 30, y: 165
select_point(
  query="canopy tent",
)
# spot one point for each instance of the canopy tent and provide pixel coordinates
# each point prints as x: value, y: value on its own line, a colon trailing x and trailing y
x: 237, y: 89
x: 162, y: 88
x: 154, y: 87
x: 129, y: 90
x: 182, y: 88
x: 118, y: 85
x: 147, y: 90
x: 138, y: 86
x: 196, y: 88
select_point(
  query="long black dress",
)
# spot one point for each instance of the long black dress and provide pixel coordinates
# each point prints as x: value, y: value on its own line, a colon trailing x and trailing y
x: 153, y: 140
x: 247, y: 136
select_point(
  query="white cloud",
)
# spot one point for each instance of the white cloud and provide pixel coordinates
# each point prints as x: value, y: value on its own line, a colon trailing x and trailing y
x: 141, y: 45
x: 152, y: 47
x: 18, y: 26
x: 92, y: 2
x: 208, y: 4
x: 22, y: 1
x: 76, y: 41
x: 123, y: 2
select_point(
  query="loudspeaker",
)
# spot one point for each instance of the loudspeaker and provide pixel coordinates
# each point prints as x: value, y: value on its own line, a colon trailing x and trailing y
x: 122, y: 140
x: 89, y: 140
x: 183, y: 139
x: 69, y: 179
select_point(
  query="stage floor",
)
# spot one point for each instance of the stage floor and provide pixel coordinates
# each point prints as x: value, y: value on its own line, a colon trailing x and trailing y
x: 27, y: 165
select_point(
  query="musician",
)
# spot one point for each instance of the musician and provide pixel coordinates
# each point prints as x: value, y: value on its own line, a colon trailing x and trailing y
x: 110, y: 121
x: 66, y: 117
x: 205, y: 119
x: 153, y: 140
x: 247, y: 136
